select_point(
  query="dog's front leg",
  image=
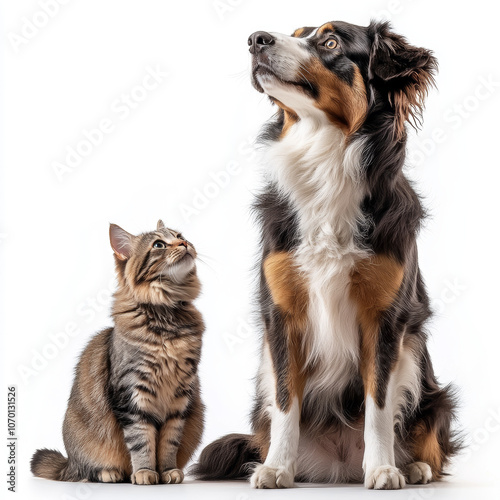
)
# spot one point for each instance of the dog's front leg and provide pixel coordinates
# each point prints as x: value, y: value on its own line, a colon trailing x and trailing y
x: 375, y: 286
x: 283, y: 375
x: 379, y: 462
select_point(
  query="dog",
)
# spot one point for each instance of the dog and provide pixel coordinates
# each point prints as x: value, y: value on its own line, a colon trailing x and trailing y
x: 346, y: 390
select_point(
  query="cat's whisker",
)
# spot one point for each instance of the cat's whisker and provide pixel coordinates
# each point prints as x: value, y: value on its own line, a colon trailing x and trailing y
x: 207, y: 257
x: 128, y: 371
x: 206, y: 264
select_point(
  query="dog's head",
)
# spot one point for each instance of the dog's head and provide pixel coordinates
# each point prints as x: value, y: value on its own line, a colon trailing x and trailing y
x: 341, y: 71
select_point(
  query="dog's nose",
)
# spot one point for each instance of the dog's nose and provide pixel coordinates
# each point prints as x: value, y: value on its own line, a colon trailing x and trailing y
x: 258, y: 40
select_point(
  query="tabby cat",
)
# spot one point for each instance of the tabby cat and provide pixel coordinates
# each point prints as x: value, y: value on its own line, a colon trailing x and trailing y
x: 135, y: 411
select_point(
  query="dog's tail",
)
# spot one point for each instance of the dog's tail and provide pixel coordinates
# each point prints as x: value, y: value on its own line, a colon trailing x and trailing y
x: 49, y: 464
x: 227, y: 458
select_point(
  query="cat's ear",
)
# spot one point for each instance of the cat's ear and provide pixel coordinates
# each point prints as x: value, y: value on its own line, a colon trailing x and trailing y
x: 405, y: 72
x: 121, y: 241
x: 160, y: 225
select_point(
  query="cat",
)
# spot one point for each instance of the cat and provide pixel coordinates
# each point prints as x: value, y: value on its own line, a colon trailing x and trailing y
x: 135, y: 412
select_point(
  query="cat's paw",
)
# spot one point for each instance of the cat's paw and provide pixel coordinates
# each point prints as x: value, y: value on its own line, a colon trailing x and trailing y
x: 145, y: 476
x: 172, y: 476
x: 385, y: 477
x: 419, y: 473
x: 110, y: 476
x: 270, y: 477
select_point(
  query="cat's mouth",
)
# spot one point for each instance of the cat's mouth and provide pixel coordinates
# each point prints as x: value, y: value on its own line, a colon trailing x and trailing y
x: 180, y: 269
x: 181, y: 264
x: 186, y: 255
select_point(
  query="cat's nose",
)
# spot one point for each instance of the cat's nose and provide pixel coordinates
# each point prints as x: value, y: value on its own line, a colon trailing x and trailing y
x: 182, y: 242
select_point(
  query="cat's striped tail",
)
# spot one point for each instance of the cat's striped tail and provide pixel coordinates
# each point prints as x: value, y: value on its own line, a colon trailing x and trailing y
x: 230, y: 457
x: 49, y: 464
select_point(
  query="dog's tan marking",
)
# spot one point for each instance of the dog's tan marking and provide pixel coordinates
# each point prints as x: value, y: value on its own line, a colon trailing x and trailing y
x: 427, y: 449
x: 289, y: 292
x: 290, y: 117
x: 287, y: 286
x: 298, y: 32
x: 297, y: 377
x: 345, y: 105
x: 375, y: 283
x: 326, y: 27
x: 262, y: 439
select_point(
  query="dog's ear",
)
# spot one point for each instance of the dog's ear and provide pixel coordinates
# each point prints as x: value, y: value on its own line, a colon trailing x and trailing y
x: 405, y: 72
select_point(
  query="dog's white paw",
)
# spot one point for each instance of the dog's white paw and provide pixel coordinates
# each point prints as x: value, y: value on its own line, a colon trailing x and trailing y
x: 385, y: 477
x: 271, y: 477
x: 419, y: 473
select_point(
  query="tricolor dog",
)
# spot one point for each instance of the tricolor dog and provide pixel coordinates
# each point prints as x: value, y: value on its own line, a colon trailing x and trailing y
x: 346, y: 391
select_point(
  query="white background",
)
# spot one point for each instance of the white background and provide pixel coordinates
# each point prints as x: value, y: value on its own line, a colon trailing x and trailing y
x: 57, y: 266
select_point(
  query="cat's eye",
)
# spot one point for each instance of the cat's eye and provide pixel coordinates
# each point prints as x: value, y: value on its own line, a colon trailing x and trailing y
x: 331, y: 44
x: 159, y: 244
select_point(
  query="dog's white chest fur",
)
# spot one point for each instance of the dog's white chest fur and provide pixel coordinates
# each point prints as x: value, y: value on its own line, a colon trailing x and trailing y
x: 321, y: 176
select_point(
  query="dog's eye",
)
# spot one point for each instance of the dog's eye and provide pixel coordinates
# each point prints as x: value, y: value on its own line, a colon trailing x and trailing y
x: 331, y: 44
x: 159, y: 244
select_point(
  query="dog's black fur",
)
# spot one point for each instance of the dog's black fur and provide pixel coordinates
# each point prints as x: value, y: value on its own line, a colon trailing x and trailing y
x: 396, y: 77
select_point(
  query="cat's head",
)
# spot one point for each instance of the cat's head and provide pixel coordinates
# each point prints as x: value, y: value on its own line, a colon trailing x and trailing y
x: 156, y: 267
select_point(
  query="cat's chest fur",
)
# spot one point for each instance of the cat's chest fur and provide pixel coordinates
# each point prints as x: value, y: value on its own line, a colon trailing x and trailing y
x: 157, y: 358
x: 178, y: 361
x: 166, y: 373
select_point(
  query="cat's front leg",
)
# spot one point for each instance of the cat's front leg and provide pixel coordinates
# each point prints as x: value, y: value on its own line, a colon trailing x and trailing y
x: 169, y: 440
x: 140, y: 437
